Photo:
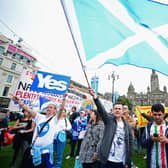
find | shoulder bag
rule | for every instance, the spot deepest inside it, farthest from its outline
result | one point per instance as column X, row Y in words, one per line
column 27, row 157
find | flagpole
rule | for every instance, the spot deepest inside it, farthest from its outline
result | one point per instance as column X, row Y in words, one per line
column 73, row 38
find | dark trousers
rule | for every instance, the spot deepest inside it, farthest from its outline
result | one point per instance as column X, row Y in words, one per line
column 27, row 161
column 92, row 165
column 1, row 139
column 113, row 165
column 16, row 147
column 73, row 144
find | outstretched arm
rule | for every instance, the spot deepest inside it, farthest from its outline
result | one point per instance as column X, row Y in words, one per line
column 62, row 106
column 147, row 117
column 25, row 107
column 100, row 108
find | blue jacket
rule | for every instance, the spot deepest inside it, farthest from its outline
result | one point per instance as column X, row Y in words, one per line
column 148, row 143
column 77, row 127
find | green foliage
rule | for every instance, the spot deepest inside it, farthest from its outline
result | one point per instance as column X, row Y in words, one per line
column 125, row 101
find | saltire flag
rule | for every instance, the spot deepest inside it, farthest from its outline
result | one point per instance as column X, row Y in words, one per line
column 121, row 32
column 44, row 102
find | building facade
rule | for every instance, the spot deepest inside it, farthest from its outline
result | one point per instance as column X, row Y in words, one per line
column 13, row 60
column 152, row 96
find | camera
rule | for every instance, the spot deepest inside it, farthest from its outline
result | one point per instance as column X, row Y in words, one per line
column 155, row 135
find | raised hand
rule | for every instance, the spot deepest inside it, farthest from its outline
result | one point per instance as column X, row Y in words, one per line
column 92, row 93
column 15, row 98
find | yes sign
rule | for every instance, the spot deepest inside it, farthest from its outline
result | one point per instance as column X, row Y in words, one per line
column 50, row 83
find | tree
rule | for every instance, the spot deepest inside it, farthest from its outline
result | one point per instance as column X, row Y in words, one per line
column 125, row 101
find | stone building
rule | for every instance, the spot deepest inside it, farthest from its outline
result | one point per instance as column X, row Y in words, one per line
column 13, row 59
column 152, row 96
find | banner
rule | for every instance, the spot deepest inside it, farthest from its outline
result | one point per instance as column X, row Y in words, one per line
column 31, row 98
column 95, row 83
column 147, row 110
column 88, row 104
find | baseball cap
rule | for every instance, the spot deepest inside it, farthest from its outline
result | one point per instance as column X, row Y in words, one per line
column 82, row 112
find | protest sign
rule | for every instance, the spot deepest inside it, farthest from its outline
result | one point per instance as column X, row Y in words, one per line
column 46, row 82
column 31, row 98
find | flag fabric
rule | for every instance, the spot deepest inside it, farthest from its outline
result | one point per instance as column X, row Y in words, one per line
column 44, row 102
column 121, row 31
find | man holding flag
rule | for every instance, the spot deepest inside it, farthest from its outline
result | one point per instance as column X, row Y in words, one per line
column 117, row 143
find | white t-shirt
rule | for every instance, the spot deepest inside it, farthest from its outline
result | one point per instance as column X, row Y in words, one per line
column 61, row 125
column 46, row 137
column 117, row 151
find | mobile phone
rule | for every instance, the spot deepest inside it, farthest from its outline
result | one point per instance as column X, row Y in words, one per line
column 155, row 135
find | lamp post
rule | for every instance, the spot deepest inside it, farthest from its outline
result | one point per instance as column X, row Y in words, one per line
column 113, row 77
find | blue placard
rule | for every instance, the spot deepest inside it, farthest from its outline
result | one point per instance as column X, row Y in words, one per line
column 50, row 83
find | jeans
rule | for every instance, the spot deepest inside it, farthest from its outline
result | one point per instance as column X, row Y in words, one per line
column 45, row 161
column 59, row 149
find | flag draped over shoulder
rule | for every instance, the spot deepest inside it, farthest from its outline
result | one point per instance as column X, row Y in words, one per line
column 121, row 31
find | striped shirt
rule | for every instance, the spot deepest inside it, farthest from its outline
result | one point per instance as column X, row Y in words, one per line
column 158, row 159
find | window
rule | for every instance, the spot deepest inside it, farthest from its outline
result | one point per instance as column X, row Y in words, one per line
column 17, row 56
column 9, row 79
column 6, row 91
column 2, row 50
column 25, row 60
column 1, row 60
column 13, row 66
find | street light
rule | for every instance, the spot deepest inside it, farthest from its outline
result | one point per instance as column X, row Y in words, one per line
column 113, row 77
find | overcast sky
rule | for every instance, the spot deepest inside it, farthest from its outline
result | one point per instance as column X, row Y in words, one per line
column 41, row 23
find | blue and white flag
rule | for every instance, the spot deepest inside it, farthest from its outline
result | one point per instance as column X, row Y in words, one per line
column 44, row 102
column 50, row 83
column 121, row 31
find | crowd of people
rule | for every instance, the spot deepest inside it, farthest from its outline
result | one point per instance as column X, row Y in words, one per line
column 98, row 138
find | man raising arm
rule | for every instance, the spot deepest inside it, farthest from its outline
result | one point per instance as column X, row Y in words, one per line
column 117, row 143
